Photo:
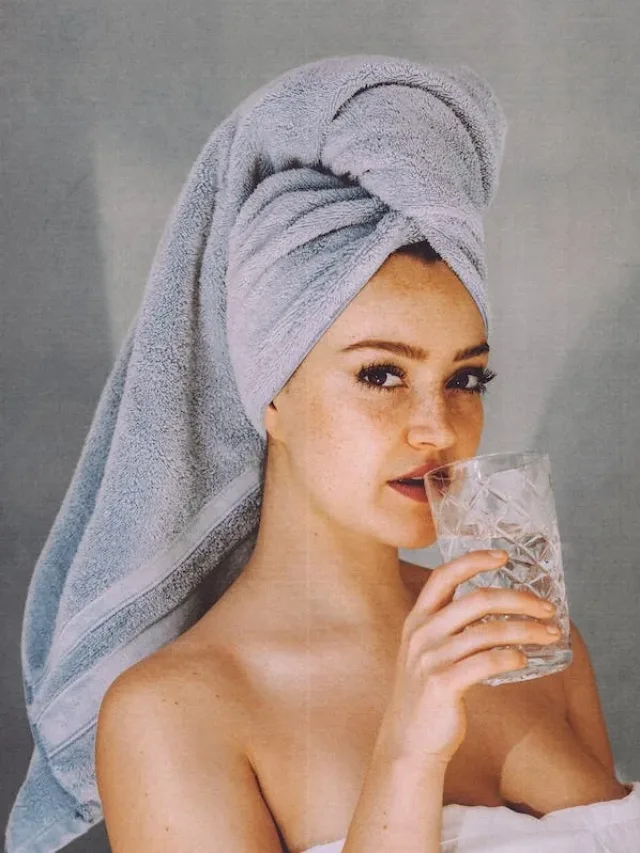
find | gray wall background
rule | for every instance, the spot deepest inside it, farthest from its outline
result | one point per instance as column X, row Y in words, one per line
column 104, row 108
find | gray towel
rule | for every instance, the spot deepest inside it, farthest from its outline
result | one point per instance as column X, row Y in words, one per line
column 295, row 201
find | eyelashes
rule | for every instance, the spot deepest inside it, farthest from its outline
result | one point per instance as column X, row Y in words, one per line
column 482, row 374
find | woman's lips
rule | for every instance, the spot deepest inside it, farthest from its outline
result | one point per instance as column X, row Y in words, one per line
column 416, row 493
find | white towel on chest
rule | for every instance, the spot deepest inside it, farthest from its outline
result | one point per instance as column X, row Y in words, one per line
column 609, row 827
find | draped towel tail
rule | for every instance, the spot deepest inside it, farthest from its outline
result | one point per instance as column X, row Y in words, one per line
column 294, row 202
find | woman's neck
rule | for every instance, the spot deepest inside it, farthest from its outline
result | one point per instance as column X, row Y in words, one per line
column 338, row 574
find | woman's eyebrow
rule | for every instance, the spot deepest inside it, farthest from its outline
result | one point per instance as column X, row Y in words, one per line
column 415, row 352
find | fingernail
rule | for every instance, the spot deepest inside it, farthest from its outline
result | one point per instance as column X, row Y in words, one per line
column 549, row 607
column 553, row 629
column 498, row 553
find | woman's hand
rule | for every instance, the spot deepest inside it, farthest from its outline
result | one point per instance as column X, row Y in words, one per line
column 442, row 653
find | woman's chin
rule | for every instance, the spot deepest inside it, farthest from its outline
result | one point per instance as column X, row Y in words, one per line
column 418, row 542
column 414, row 538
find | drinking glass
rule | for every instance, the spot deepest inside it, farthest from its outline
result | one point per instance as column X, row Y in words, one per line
column 505, row 500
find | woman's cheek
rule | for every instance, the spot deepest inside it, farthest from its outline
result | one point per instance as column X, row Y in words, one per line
column 468, row 425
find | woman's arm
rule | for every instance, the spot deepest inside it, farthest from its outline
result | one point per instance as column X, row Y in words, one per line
column 165, row 790
column 584, row 710
column 400, row 806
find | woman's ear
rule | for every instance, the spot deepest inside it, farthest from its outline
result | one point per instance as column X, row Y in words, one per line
column 273, row 413
column 270, row 420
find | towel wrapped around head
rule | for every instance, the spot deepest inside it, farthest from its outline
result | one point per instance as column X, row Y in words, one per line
column 295, row 201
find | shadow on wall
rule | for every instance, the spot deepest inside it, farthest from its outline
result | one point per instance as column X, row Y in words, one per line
column 592, row 417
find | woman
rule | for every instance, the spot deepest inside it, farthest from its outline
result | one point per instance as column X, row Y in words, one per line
column 347, row 705
column 332, row 693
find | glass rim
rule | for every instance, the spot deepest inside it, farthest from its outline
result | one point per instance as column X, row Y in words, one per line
column 531, row 456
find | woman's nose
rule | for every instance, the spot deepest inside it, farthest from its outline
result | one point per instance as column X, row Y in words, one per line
column 431, row 424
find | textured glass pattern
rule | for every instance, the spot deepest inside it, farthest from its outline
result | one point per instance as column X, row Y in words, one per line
column 476, row 508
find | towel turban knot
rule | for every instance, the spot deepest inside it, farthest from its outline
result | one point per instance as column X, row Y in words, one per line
column 336, row 172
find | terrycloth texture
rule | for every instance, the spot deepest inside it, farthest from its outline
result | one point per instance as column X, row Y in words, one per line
column 295, row 201
column 611, row 827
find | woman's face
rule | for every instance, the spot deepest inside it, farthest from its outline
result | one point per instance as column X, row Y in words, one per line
column 353, row 418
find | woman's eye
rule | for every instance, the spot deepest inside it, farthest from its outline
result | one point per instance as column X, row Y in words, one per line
column 376, row 376
column 481, row 376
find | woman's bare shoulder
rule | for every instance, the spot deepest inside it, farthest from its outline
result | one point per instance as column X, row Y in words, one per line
column 198, row 674
column 193, row 687
column 170, row 737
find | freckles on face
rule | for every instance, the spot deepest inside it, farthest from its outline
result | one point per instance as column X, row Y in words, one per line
column 345, row 438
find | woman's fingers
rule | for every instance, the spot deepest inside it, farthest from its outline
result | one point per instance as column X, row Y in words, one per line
column 486, row 635
column 444, row 579
column 474, row 606
column 456, row 680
